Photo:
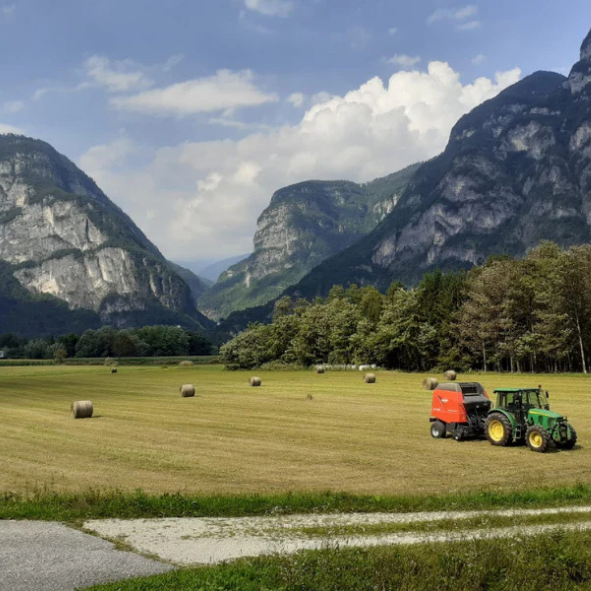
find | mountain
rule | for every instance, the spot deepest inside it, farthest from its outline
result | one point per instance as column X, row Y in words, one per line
column 304, row 224
column 70, row 259
column 212, row 272
column 198, row 285
column 516, row 170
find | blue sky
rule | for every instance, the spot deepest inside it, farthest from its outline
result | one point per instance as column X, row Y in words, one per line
column 191, row 113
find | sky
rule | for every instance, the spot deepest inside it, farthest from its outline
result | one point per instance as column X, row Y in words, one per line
column 189, row 114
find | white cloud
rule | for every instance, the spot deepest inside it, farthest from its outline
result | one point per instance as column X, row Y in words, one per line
column 450, row 14
column 404, row 61
column 479, row 59
column 296, row 99
column 224, row 90
column 392, row 31
column 203, row 198
column 116, row 76
column 4, row 128
column 270, row 7
column 172, row 61
column 459, row 16
column 469, row 26
column 12, row 107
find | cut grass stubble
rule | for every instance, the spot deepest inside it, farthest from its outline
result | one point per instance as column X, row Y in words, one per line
column 300, row 432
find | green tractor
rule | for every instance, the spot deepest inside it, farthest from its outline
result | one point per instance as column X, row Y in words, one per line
column 523, row 415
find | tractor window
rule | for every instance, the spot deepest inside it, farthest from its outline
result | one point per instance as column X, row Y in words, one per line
column 541, row 400
column 474, row 389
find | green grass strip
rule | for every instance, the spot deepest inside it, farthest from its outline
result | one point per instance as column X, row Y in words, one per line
column 104, row 504
column 557, row 562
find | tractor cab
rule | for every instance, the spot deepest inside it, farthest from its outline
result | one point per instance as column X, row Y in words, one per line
column 524, row 415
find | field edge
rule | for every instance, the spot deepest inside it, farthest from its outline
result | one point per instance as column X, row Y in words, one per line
column 98, row 504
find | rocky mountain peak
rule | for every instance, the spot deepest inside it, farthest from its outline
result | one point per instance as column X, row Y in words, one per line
column 586, row 48
column 70, row 259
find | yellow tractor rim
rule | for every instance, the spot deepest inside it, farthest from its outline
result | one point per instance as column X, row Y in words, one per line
column 535, row 439
column 496, row 430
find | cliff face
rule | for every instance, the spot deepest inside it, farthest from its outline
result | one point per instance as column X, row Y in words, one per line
column 517, row 170
column 62, row 240
column 303, row 225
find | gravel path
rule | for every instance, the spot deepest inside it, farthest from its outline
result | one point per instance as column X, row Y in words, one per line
column 38, row 556
column 193, row 541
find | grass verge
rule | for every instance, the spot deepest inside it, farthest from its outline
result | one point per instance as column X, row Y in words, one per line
column 104, row 504
column 560, row 561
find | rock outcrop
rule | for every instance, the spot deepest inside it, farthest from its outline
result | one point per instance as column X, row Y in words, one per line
column 516, row 171
column 304, row 224
column 62, row 240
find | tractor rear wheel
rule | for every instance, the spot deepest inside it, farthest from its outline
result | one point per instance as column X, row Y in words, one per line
column 537, row 439
column 438, row 429
column 569, row 443
column 498, row 429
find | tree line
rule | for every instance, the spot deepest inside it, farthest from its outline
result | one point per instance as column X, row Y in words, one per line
column 149, row 341
column 524, row 315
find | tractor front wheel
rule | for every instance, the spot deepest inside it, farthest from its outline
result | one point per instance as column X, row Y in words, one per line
column 537, row 439
column 438, row 429
column 569, row 443
column 498, row 429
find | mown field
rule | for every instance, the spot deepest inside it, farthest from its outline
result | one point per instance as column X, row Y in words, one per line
column 233, row 439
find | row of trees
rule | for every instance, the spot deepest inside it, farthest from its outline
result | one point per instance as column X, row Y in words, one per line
column 531, row 314
column 149, row 341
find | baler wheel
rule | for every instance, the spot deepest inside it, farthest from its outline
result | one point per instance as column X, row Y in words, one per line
column 537, row 439
column 498, row 429
column 438, row 430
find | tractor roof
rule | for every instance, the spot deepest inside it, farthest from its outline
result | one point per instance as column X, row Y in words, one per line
column 515, row 390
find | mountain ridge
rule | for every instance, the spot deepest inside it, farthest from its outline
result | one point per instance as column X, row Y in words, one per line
column 304, row 224
column 62, row 241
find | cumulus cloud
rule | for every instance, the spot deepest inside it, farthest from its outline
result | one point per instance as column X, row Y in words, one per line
column 219, row 188
column 270, row 7
column 404, row 61
column 225, row 90
column 296, row 99
column 116, row 76
column 459, row 16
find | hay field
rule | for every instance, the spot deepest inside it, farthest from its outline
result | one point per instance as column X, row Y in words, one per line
column 231, row 438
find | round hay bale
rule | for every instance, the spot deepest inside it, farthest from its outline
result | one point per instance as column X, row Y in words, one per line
column 319, row 369
column 113, row 370
column 187, row 390
column 82, row 409
column 255, row 382
column 369, row 378
column 430, row 383
column 450, row 375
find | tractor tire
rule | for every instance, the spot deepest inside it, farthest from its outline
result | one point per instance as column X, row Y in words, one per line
column 537, row 439
column 498, row 429
column 568, row 444
column 438, row 430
